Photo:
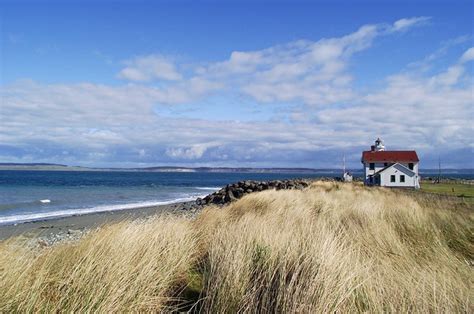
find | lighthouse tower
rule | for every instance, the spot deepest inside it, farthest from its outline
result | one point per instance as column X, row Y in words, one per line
column 379, row 146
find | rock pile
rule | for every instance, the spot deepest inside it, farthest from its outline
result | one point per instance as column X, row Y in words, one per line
column 232, row 192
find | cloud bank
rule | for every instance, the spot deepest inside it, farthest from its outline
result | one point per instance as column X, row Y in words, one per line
column 325, row 113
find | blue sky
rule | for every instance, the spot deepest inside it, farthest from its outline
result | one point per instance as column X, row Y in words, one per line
column 265, row 84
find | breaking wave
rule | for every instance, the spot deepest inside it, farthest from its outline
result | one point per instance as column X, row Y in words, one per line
column 28, row 217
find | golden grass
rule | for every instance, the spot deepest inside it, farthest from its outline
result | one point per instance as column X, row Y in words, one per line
column 125, row 266
column 337, row 248
column 332, row 247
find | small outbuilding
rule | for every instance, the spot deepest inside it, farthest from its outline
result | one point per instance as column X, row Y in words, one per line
column 390, row 168
column 347, row 176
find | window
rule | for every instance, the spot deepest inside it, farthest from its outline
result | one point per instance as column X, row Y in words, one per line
column 385, row 164
column 402, row 178
column 410, row 166
column 371, row 166
column 392, row 178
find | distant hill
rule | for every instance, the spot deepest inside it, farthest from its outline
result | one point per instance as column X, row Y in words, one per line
column 239, row 169
column 61, row 167
column 30, row 164
column 38, row 166
column 330, row 171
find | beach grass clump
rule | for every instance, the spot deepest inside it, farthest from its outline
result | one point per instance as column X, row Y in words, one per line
column 127, row 266
column 330, row 248
column 337, row 247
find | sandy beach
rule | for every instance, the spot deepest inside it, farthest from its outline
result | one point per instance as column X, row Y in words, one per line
column 79, row 223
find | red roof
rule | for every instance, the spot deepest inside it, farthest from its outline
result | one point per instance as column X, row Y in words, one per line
column 390, row 156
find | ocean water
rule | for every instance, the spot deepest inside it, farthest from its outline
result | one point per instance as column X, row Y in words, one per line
column 38, row 195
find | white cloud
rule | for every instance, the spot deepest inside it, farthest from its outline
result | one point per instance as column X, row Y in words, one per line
column 193, row 152
column 315, row 73
column 133, row 74
column 450, row 77
column 152, row 67
column 468, row 55
column 312, row 72
column 427, row 62
column 406, row 23
column 422, row 112
column 455, row 72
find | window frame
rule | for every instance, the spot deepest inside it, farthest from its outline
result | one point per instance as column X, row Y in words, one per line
column 411, row 165
column 393, row 178
column 371, row 165
column 402, row 178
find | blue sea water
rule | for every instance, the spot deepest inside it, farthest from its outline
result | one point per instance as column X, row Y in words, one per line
column 37, row 195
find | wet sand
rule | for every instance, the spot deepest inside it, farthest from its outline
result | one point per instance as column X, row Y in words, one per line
column 80, row 223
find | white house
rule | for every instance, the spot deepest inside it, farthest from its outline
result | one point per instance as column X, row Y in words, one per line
column 391, row 168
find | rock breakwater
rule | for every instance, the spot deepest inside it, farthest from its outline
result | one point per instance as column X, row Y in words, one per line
column 232, row 192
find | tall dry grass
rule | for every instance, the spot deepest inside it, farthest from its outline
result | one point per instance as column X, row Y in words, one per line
column 337, row 247
column 126, row 266
column 332, row 247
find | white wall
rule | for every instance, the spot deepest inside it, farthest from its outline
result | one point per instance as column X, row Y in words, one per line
column 410, row 181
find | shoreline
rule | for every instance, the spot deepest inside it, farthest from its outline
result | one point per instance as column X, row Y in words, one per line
column 56, row 229
column 80, row 223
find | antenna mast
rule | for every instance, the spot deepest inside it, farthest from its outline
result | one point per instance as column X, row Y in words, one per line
column 439, row 169
column 343, row 164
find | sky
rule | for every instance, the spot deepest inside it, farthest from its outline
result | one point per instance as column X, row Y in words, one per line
column 235, row 83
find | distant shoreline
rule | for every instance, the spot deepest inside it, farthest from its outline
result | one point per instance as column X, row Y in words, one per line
column 59, row 167
column 176, row 169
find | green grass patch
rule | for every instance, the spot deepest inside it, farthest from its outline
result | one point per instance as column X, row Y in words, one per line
column 465, row 191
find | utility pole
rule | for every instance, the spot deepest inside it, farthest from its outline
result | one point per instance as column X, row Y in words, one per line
column 343, row 165
column 439, row 169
